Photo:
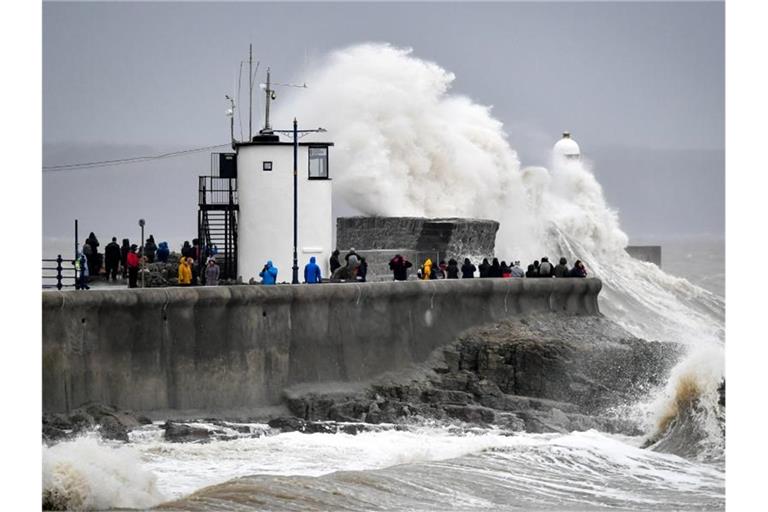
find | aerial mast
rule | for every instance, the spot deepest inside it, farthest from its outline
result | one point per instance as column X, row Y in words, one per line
column 270, row 96
column 250, row 91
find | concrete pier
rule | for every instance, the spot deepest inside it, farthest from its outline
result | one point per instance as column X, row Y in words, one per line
column 239, row 346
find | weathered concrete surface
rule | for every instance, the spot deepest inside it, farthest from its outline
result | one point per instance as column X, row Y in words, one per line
column 240, row 346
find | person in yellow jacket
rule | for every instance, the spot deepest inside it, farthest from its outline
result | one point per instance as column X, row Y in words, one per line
column 427, row 273
column 185, row 271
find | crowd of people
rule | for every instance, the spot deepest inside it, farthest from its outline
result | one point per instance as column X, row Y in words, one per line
column 197, row 265
column 127, row 259
column 355, row 268
column 451, row 270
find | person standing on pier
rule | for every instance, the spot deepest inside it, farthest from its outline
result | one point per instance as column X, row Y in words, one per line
column 163, row 252
column 150, row 248
column 426, row 270
column 399, row 267
column 452, row 270
column 93, row 258
column 312, row 272
column 212, row 273
column 81, row 273
column 185, row 271
column 124, row 250
column 362, row 270
column 495, row 270
column 268, row 274
column 561, row 270
column 132, row 262
column 468, row 269
column 112, row 259
column 334, row 262
column 485, row 268
column 545, row 268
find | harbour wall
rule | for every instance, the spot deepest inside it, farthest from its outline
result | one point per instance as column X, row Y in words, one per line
column 228, row 347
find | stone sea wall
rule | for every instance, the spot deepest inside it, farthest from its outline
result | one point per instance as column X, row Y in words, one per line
column 240, row 346
column 451, row 236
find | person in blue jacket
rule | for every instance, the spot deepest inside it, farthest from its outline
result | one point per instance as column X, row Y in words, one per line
column 162, row 252
column 312, row 272
column 268, row 274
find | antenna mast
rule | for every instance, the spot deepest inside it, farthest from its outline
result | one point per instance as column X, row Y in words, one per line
column 250, row 91
column 270, row 96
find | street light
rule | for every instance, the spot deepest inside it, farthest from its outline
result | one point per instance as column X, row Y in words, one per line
column 295, row 132
column 141, row 250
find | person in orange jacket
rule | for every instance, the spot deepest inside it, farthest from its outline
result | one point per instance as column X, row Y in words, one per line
column 426, row 273
column 185, row 271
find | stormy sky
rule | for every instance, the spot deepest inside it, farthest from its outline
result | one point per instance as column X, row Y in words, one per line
column 640, row 85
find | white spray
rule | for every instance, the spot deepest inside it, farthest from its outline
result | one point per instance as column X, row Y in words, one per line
column 88, row 474
column 405, row 145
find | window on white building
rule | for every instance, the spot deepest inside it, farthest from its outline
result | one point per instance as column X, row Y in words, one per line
column 267, row 166
column 318, row 162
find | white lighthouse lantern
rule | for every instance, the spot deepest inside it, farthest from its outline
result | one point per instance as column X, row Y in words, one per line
column 567, row 148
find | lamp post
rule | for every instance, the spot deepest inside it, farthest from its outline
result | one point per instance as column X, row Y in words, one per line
column 141, row 250
column 295, row 132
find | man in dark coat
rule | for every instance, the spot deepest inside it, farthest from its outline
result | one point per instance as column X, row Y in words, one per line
column 93, row 258
column 453, row 269
column 150, row 248
column 485, row 268
column 468, row 269
column 334, row 263
column 561, row 270
column 495, row 270
column 399, row 267
column 124, row 250
column 112, row 259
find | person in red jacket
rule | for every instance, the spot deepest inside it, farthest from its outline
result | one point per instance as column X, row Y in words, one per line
column 132, row 261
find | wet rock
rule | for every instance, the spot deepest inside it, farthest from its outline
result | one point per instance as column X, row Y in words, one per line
column 349, row 411
column 471, row 414
column 288, row 424
column 57, row 421
column 53, row 434
column 183, row 433
column 510, row 421
column 111, row 428
column 452, row 359
column 446, row 396
column 143, row 420
column 542, row 374
column 81, row 420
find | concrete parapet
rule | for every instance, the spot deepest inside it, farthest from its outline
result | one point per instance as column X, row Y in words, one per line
column 239, row 346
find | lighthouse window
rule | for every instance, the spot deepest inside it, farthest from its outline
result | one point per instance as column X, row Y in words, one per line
column 318, row 162
column 267, row 166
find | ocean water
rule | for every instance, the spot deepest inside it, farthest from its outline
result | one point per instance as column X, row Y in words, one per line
column 426, row 468
column 397, row 128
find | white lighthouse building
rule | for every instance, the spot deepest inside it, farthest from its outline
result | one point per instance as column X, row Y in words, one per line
column 265, row 168
column 567, row 148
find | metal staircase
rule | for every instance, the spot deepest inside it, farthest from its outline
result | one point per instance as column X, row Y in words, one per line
column 217, row 219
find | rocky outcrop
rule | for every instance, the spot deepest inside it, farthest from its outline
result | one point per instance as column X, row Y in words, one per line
column 107, row 420
column 544, row 373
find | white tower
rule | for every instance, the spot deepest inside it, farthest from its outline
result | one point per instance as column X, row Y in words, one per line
column 265, row 190
column 567, row 148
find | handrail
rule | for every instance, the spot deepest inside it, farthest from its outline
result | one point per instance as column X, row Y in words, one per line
column 60, row 272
